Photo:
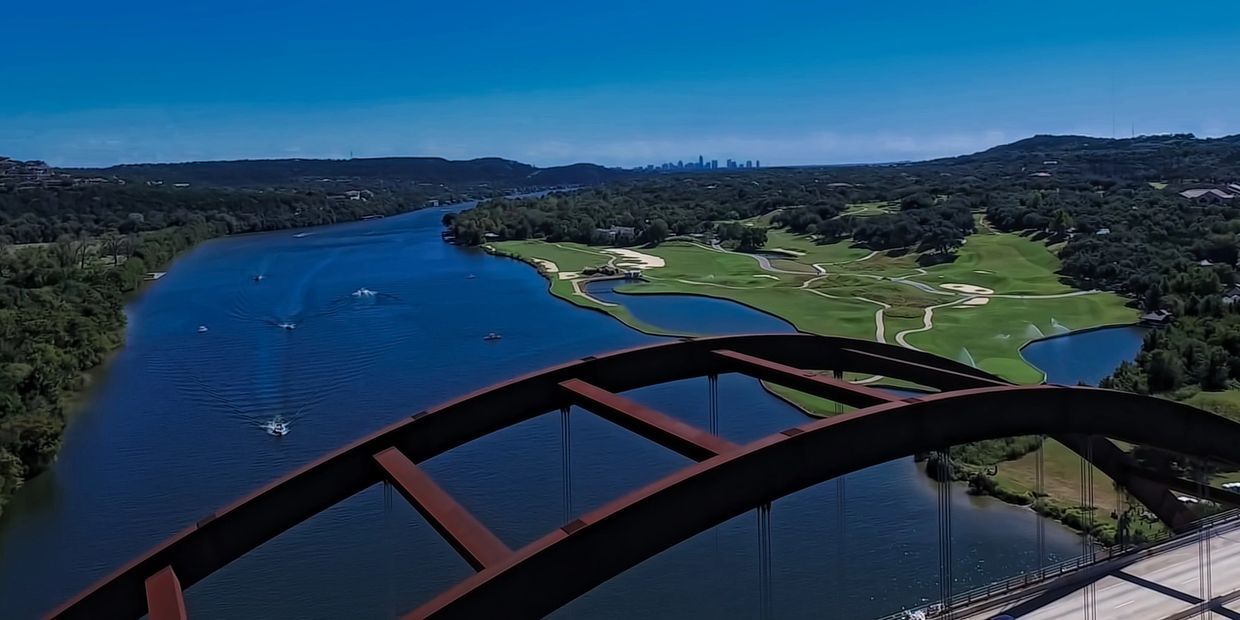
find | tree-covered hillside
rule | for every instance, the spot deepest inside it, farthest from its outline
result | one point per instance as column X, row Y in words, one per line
column 386, row 171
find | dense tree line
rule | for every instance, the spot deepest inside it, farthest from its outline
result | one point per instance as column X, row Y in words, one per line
column 1164, row 251
column 43, row 216
column 475, row 176
column 653, row 208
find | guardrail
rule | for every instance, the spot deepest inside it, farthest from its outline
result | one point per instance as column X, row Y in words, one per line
column 1054, row 571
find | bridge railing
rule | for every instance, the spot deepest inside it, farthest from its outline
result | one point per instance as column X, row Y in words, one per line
column 1032, row 578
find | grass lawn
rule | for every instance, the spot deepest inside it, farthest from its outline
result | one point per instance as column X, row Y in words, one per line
column 566, row 256
column 845, row 302
column 1226, row 403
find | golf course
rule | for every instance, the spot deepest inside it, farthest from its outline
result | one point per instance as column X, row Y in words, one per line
column 1000, row 292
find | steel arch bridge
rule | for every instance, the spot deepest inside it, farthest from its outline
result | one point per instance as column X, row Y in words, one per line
column 727, row 479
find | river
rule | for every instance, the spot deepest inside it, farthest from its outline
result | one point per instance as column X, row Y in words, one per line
column 172, row 432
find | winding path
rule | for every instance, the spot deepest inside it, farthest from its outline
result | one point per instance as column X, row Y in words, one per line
column 927, row 322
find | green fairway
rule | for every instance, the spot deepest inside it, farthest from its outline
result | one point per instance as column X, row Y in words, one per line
column 999, row 293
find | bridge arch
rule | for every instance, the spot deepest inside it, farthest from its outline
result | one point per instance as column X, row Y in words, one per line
column 570, row 561
column 969, row 395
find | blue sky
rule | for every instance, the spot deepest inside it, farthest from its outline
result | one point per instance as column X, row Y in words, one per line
column 618, row 83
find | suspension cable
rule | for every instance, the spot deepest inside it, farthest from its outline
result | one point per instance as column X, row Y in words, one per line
column 1039, row 495
column 566, row 463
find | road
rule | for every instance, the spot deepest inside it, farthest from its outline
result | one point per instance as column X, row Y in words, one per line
column 1165, row 586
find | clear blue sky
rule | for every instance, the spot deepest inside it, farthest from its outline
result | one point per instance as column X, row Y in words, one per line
column 619, row 83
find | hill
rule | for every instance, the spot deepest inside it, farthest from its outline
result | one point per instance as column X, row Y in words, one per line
column 1173, row 158
column 492, row 171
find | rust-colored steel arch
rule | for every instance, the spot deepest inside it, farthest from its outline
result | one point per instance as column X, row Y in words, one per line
column 986, row 408
column 570, row 561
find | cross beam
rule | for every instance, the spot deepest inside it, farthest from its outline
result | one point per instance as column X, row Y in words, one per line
column 806, row 381
column 164, row 598
column 477, row 544
column 660, row 428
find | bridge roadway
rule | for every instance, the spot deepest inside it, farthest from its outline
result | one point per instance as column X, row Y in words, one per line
column 1165, row 585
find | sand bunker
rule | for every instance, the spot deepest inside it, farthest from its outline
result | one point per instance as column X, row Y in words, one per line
column 546, row 265
column 633, row 258
column 968, row 288
column 568, row 275
column 976, row 301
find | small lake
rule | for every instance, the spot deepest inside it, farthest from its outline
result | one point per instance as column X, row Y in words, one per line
column 1085, row 357
column 690, row 314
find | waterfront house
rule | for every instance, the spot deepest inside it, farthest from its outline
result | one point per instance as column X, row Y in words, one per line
column 1157, row 318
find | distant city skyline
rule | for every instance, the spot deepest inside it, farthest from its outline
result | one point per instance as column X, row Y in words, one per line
column 702, row 164
column 784, row 82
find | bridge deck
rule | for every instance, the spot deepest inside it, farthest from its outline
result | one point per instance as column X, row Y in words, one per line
column 1166, row 585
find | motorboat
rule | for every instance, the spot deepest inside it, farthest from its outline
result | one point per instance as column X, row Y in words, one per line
column 288, row 326
column 364, row 292
column 470, row 277
column 492, row 336
column 202, row 329
column 276, row 427
column 258, row 277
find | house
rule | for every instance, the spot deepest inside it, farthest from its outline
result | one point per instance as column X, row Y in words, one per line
column 1234, row 188
column 1051, row 162
column 1157, row 318
column 1041, row 174
column 615, row 234
column 1231, row 296
column 1207, row 195
column 633, row 274
column 1205, row 262
column 1102, row 231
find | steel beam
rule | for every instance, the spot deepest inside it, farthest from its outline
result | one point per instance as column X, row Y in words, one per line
column 1118, row 466
column 923, row 374
column 806, row 381
column 477, row 544
column 164, row 599
column 225, row 535
column 660, row 428
column 554, row 570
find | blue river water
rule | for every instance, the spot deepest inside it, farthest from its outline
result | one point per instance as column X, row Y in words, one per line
column 172, row 432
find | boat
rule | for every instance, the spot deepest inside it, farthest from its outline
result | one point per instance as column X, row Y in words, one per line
column 288, row 326
column 202, row 329
column 470, row 277
column 276, row 427
column 363, row 292
column 258, row 277
column 492, row 336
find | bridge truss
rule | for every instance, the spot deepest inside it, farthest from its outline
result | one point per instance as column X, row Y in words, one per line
column 727, row 479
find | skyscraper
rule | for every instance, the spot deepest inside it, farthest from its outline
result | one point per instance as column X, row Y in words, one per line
column 701, row 162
